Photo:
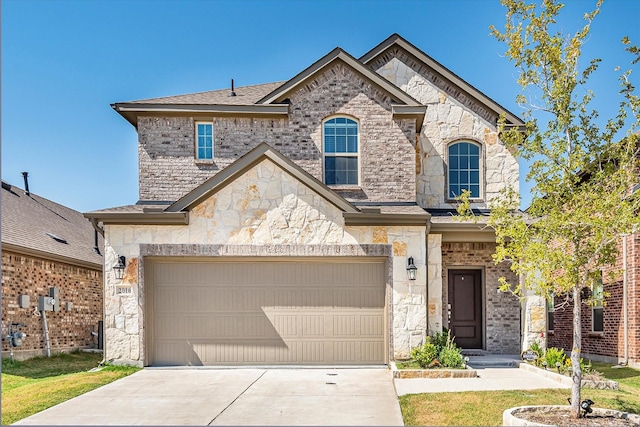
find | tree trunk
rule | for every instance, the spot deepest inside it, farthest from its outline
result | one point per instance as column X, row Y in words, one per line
column 575, row 352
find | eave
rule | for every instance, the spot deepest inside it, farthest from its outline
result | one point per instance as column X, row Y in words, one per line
column 8, row 247
column 376, row 218
column 131, row 111
column 140, row 218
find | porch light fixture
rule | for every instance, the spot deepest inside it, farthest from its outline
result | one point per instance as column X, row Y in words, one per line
column 411, row 269
column 119, row 267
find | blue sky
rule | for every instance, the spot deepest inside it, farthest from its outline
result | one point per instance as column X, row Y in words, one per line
column 65, row 62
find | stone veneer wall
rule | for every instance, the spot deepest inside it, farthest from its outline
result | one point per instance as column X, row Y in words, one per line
column 449, row 120
column 68, row 330
column 264, row 212
column 501, row 310
column 166, row 154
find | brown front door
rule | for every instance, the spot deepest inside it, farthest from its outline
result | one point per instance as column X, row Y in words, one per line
column 465, row 299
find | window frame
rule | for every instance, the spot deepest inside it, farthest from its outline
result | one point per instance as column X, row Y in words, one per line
column 197, row 124
column 356, row 154
column 551, row 308
column 597, row 294
column 481, row 187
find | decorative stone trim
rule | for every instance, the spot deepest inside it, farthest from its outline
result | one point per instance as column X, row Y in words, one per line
column 368, row 250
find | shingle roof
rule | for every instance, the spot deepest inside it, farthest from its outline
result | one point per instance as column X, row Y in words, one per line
column 39, row 225
column 245, row 95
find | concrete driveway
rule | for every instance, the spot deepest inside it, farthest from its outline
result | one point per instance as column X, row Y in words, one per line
column 202, row 396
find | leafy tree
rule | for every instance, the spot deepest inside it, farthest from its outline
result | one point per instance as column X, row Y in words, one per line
column 582, row 171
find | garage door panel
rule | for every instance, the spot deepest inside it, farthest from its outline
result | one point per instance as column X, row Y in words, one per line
column 267, row 313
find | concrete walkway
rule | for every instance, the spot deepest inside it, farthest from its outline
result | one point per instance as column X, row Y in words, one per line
column 234, row 397
column 494, row 373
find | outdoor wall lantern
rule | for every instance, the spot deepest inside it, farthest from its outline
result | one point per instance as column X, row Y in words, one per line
column 411, row 269
column 119, row 267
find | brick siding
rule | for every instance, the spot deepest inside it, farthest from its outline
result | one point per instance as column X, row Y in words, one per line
column 168, row 168
column 26, row 275
column 501, row 310
column 609, row 343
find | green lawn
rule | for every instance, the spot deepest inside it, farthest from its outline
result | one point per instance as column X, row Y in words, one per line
column 484, row 408
column 33, row 385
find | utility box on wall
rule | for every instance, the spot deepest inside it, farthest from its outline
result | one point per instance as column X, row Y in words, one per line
column 55, row 294
column 46, row 303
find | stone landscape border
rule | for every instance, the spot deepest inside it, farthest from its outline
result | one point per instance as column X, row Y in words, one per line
column 432, row 373
column 567, row 381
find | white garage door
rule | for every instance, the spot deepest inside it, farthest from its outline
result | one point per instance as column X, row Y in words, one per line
column 297, row 312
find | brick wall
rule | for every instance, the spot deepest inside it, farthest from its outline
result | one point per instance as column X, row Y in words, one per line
column 26, row 275
column 501, row 310
column 168, row 168
column 609, row 343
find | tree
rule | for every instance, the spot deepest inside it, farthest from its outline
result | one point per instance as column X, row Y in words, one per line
column 582, row 172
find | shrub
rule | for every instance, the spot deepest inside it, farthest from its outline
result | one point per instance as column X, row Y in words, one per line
column 438, row 349
column 554, row 355
column 450, row 357
column 425, row 354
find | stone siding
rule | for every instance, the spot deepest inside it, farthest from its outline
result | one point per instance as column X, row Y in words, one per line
column 168, row 168
column 501, row 310
column 267, row 213
column 68, row 330
column 450, row 117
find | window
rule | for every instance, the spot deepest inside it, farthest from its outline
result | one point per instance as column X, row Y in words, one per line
column 204, row 140
column 550, row 310
column 464, row 169
column 340, row 151
column 598, row 310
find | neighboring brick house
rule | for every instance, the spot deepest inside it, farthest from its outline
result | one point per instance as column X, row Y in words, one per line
column 46, row 245
column 610, row 331
column 281, row 223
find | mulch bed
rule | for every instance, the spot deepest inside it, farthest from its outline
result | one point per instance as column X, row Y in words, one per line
column 562, row 417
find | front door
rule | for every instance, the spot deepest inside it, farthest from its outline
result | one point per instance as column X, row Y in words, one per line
column 465, row 299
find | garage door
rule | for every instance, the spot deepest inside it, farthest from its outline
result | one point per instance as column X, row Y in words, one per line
column 298, row 312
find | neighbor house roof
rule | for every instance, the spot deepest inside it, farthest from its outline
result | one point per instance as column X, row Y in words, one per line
column 39, row 227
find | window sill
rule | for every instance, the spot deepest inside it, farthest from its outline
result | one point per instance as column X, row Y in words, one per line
column 204, row 161
column 470, row 201
column 345, row 187
column 596, row 334
column 550, row 333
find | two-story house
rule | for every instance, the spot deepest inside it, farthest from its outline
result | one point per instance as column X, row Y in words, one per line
column 310, row 221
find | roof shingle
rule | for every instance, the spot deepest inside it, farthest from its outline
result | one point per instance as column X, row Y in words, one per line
column 35, row 223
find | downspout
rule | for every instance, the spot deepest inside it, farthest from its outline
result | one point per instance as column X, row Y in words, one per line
column 98, row 229
column 426, row 263
column 625, row 301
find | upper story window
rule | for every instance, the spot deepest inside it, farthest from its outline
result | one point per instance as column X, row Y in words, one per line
column 598, row 302
column 340, row 151
column 204, row 140
column 464, row 169
column 550, row 309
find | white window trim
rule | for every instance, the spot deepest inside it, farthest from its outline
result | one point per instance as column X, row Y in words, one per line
column 481, row 168
column 195, row 130
column 597, row 305
column 357, row 154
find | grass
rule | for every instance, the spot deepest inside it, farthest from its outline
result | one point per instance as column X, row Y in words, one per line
column 36, row 384
column 484, row 408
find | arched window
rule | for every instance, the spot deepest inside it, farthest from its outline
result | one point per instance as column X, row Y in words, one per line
column 340, row 139
column 464, row 169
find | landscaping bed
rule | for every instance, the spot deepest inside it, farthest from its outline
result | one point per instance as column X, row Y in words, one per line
column 402, row 373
